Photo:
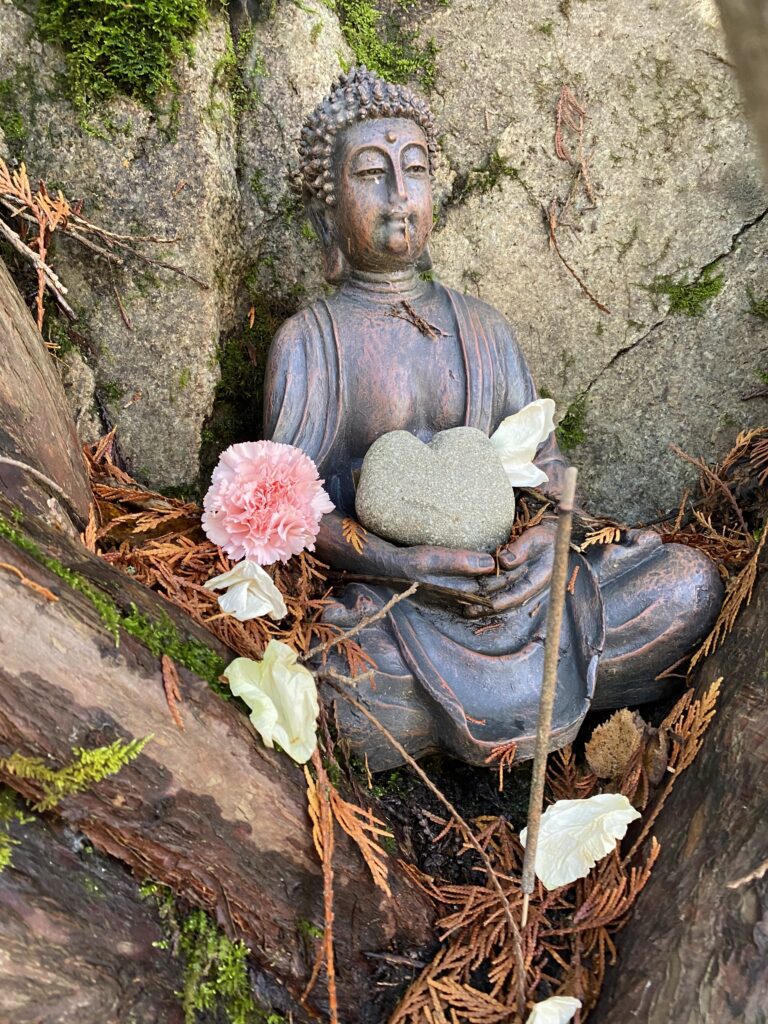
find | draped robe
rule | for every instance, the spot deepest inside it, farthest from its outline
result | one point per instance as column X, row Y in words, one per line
column 444, row 681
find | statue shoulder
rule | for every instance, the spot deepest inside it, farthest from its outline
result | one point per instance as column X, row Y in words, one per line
column 483, row 312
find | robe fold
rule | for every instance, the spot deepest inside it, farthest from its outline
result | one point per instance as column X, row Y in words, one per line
column 442, row 681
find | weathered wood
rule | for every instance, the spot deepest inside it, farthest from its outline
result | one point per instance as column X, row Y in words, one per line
column 35, row 425
column 696, row 948
column 208, row 811
column 77, row 940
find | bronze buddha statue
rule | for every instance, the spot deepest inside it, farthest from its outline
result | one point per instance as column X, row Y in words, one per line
column 345, row 370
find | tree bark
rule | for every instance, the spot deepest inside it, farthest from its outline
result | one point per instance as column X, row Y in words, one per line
column 76, row 939
column 35, row 425
column 208, row 811
column 696, row 948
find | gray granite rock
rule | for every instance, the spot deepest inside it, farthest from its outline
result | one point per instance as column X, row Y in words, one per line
column 80, row 388
column 169, row 173
column 675, row 180
column 452, row 492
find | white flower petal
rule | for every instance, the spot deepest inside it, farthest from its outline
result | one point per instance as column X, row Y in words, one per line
column 555, row 1010
column 282, row 696
column 250, row 592
column 519, row 435
column 526, row 475
column 576, row 834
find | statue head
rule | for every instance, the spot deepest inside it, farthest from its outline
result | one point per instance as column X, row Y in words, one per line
column 368, row 152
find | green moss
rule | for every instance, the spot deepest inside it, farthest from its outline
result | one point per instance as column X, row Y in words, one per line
column 546, row 28
column 237, row 408
column 570, row 431
column 757, row 306
column 689, row 298
column 160, row 636
column 239, row 72
column 184, row 378
column 86, row 768
column 11, row 120
column 115, row 46
column 10, row 813
column 215, row 968
column 308, row 930
column 111, row 391
column 307, row 231
column 491, row 174
column 315, row 31
column 386, row 47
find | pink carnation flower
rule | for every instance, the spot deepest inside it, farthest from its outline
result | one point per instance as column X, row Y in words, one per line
column 265, row 502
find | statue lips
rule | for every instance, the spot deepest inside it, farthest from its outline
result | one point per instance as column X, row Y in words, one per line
column 400, row 229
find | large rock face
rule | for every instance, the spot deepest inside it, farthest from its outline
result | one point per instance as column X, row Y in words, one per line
column 659, row 214
column 675, row 186
column 172, row 176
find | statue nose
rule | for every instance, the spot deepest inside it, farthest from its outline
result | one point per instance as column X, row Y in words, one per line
column 397, row 190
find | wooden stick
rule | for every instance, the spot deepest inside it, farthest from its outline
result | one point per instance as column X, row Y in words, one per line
column 334, row 679
column 549, row 683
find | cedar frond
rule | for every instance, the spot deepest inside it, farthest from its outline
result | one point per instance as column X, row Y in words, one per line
column 738, row 594
column 354, row 533
column 363, row 828
column 605, row 535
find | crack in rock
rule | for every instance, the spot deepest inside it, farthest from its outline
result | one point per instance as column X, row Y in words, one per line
column 733, row 245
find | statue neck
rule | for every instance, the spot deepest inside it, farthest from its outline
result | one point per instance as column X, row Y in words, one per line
column 388, row 288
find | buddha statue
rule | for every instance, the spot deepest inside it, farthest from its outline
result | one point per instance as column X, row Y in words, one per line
column 448, row 676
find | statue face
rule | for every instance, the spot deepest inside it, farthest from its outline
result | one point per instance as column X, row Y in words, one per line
column 383, row 212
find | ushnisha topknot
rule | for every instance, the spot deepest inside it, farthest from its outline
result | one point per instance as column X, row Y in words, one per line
column 358, row 95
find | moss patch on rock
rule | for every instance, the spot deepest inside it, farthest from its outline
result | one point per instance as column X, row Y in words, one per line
column 385, row 44
column 689, row 298
column 113, row 46
column 237, row 407
column 570, row 431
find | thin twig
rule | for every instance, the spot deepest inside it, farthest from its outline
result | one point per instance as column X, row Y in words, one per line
column 338, row 683
column 552, row 221
column 363, row 624
column 51, row 279
column 557, row 590
column 711, row 475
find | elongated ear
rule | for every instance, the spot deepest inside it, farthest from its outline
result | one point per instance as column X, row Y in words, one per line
column 424, row 262
column 335, row 266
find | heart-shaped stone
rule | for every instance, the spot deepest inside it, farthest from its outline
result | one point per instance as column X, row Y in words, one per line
column 452, row 492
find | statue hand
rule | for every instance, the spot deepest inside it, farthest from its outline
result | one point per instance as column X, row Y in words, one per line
column 447, row 567
column 526, row 568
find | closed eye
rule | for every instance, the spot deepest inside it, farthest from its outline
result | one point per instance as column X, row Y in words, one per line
column 370, row 172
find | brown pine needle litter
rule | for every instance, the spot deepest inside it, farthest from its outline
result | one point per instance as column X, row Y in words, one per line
column 488, row 969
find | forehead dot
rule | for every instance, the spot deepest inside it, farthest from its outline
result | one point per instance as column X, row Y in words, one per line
column 391, row 137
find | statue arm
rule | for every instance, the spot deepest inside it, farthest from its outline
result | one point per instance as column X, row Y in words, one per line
column 520, row 390
column 298, row 388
